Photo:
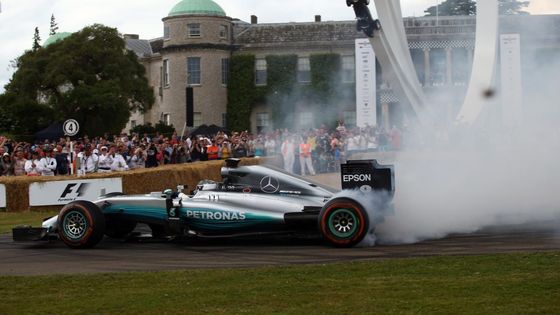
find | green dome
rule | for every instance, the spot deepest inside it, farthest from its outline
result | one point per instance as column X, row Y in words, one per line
column 197, row 7
column 55, row 38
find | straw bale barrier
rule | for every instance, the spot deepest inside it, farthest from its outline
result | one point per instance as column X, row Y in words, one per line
column 138, row 181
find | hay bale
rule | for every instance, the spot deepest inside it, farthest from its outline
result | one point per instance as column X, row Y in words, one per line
column 139, row 181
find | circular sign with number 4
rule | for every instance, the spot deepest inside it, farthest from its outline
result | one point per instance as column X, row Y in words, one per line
column 71, row 127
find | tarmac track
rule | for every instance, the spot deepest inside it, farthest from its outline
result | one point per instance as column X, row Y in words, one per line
column 147, row 255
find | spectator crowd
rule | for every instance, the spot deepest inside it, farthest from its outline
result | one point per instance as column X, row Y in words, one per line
column 305, row 152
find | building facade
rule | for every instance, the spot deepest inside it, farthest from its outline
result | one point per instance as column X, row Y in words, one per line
column 199, row 40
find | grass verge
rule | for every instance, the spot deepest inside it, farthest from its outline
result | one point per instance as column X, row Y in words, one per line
column 488, row 284
column 10, row 219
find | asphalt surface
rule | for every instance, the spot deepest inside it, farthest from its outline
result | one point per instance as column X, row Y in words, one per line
column 141, row 254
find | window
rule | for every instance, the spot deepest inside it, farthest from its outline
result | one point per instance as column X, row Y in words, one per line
column 438, row 66
column 306, row 120
column 223, row 31
column 166, row 32
column 166, row 81
column 132, row 123
column 260, row 72
column 197, row 119
column 193, row 70
column 418, row 61
column 262, row 121
column 349, row 118
column 460, row 66
column 348, row 69
column 193, row 30
column 304, row 70
column 225, row 71
column 167, row 119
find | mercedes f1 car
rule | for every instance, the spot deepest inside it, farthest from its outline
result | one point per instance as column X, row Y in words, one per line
column 366, row 23
column 250, row 200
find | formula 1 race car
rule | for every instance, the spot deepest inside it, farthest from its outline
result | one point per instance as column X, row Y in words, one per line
column 366, row 23
column 251, row 200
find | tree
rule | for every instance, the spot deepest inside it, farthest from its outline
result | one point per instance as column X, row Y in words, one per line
column 452, row 7
column 54, row 26
column 36, row 39
column 88, row 76
column 468, row 7
column 511, row 7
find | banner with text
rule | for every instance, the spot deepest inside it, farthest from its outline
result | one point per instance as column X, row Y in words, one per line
column 512, row 98
column 366, row 101
column 2, row 196
column 63, row 192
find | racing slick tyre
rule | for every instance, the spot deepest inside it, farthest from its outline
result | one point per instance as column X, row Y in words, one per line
column 343, row 222
column 119, row 228
column 81, row 224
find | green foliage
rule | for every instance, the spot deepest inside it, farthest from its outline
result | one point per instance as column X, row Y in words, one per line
column 283, row 91
column 54, row 26
column 453, row 7
column 511, row 7
column 36, row 40
column 281, row 80
column 242, row 92
column 160, row 127
column 468, row 7
column 324, row 75
column 89, row 76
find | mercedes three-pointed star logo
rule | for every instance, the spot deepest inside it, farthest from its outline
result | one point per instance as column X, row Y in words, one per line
column 269, row 184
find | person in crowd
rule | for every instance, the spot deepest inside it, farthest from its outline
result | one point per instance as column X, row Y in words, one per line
column 33, row 165
column 62, row 160
column 138, row 159
column 151, row 156
column 212, row 150
column 225, row 149
column 7, row 165
column 118, row 162
column 182, row 155
column 305, row 157
column 105, row 161
column 288, row 153
column 48, row 163
column 239, row 147
column 19, row 162
column 87, row 161
column 259, row 147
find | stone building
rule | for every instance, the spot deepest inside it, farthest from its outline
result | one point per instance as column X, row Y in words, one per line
column 199, row 39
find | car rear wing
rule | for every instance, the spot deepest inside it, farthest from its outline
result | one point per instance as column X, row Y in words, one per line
column 367, row 175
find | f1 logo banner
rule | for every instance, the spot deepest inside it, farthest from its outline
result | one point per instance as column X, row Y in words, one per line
column 2, row 196
column 63, row 192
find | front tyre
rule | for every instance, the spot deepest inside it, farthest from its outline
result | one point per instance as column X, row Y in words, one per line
column 343, row 222
column 81, row 224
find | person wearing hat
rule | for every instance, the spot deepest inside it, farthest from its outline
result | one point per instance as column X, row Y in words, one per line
column 105, row 161
column 33, row 165
column 48, row 163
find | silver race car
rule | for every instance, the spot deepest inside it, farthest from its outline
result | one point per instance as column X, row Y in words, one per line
column 250, row 200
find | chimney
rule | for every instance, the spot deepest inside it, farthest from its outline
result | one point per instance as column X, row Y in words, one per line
column 131, row 36
column 254, row 19
column 317, row 18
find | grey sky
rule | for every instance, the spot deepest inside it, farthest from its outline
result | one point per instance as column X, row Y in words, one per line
column 19, row 18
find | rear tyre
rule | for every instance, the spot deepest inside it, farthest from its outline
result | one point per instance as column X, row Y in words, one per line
column 119, row 228
column 81, row 224
column 343, row 222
